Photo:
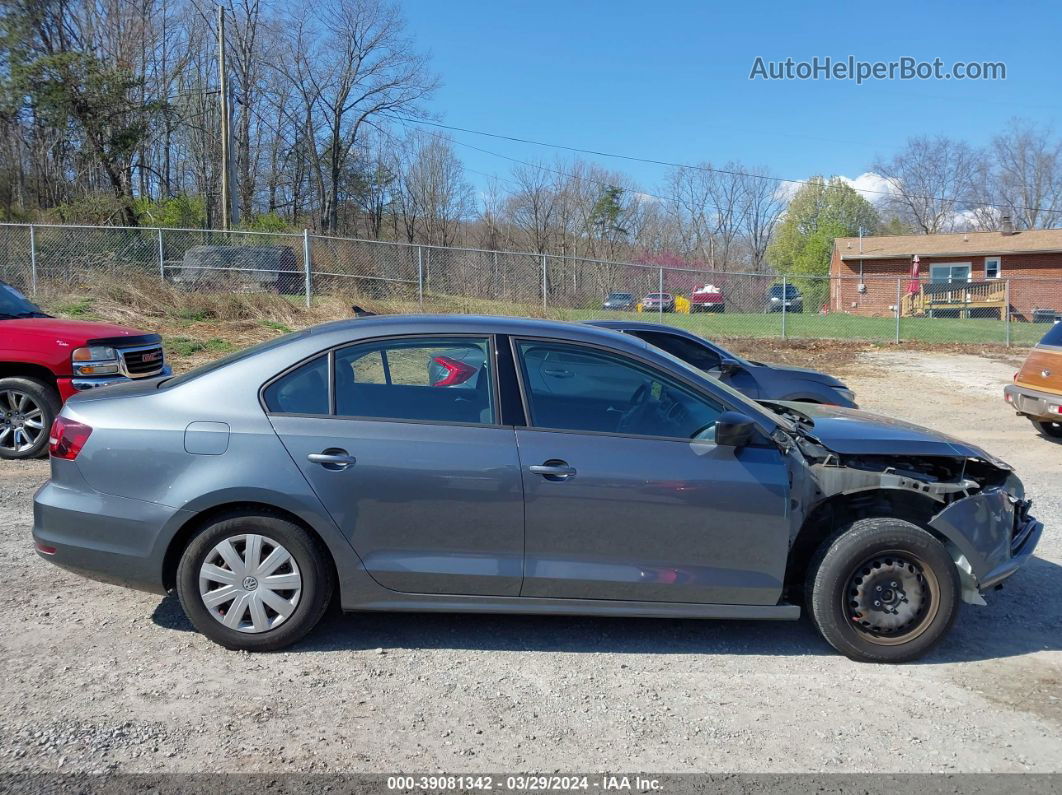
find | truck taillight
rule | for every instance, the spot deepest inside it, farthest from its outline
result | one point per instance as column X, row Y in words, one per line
column 67, row 437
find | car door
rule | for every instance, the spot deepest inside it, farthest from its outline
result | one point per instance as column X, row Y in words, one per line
column 412, row 466
column 621, row 503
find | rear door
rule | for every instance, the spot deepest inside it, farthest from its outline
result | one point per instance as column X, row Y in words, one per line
column 409, row 459
column 621, row 503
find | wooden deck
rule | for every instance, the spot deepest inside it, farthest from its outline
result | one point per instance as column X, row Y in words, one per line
column 950, row 299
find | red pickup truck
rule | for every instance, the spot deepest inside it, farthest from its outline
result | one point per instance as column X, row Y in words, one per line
column 44, row 360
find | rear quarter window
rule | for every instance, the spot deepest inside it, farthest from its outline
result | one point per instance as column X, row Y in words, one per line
column 302, row 391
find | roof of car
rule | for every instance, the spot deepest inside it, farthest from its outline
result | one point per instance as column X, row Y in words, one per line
column 639, row 325
column 487, row 324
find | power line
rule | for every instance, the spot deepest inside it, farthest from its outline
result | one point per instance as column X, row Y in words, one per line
column 710, row 169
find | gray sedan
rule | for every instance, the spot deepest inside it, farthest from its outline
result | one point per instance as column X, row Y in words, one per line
column 582, row 471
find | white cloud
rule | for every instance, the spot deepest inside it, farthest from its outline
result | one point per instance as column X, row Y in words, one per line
column 872, row 187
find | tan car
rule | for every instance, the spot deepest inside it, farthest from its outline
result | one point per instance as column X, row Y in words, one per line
column 1037, row 389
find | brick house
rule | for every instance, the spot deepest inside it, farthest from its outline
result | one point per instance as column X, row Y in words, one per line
column 865, row 273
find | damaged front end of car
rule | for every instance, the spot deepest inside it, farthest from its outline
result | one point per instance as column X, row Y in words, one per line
column 973, row 502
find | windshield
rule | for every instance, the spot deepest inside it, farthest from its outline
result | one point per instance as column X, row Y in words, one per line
column 14, row 304
column 790, row 290
column 620, row 296
column 659, row 295
column 217, row 364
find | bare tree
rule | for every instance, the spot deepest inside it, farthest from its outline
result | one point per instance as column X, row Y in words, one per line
column 1027, row 174
column 353, row 64
column 532, row 206
column 933, row 180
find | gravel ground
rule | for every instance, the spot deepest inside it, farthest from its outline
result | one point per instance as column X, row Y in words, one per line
column 98, row 678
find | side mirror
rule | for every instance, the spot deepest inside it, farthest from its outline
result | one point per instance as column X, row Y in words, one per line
column 729, row 366
column 734, row 429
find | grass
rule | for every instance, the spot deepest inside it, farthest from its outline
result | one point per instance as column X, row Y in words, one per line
column 839, row 327
column 81, row 309
column 278, row 327
column 189, row 346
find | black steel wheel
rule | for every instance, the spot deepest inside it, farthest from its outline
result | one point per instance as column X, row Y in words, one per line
column 882, row 590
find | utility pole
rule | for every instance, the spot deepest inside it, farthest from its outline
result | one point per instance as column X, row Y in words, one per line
column 227, row 214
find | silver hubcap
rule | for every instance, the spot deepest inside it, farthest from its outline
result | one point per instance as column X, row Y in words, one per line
column 250, row 583
column 21, row 421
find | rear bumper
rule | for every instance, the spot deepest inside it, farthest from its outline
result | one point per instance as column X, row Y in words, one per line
column 1032, row 403
column 104, row 537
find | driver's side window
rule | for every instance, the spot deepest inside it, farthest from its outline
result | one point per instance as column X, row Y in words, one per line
column 576, row 388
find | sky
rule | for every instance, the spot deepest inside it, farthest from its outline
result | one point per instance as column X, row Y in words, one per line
column 669, row 80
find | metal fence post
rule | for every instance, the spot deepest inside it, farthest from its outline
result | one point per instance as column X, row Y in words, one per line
column 544, row 282
column 660, row 288
column 899, row 298
column 1006, row 313
column 33, row 261
column 420, row 275
column 785, row 295
column 162, row 259
column 306, row 264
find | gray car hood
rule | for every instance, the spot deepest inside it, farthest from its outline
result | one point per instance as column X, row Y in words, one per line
column 857, row 432
column 803, row 372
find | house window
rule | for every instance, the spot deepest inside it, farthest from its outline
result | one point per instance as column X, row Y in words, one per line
column 992, row 267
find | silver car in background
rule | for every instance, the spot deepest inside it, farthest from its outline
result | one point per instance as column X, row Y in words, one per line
column 507, row 465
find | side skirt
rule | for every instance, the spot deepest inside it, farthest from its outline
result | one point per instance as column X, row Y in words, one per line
column 446, row 603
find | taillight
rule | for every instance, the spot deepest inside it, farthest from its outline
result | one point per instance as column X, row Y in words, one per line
column 456, row 372
column 67, row 437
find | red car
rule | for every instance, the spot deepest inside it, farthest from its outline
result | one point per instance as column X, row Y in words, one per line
column 707, row 298
column 44, row 360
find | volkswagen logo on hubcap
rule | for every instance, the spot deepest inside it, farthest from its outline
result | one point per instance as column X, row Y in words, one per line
column 249, row 583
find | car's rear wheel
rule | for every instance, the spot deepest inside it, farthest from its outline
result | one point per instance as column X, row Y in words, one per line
column 1049, row 428
column 254, row 582
column 27, row 409
column 883, row 590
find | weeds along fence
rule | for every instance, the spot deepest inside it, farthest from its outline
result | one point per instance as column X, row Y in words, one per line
column 50, row 260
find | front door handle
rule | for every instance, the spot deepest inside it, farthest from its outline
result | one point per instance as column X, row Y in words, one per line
column 554, row 469
column 333, row 458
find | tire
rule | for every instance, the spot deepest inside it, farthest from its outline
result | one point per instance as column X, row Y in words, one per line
column 308, row 562
column 27, row 406
column 1048, row 428
column 867, row 560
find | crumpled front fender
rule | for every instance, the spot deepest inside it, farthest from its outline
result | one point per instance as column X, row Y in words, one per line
column 992, row 530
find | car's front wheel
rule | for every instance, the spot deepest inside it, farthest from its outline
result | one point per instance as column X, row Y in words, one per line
column 254, row 582
column 1049, row 428
column 883, row 590
column 27, row 409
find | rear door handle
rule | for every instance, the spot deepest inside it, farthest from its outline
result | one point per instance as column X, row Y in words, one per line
column 332, row 458
column 553, row 470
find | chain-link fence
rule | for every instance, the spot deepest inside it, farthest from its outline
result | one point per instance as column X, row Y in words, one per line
column 44, row 260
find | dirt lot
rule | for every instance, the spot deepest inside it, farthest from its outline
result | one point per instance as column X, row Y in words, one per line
column 99, row 678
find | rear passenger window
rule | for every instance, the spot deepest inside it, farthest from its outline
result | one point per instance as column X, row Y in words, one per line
column 302, row 391
column 442, row 379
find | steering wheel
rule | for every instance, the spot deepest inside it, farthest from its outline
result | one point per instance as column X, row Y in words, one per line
column 638, row 404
